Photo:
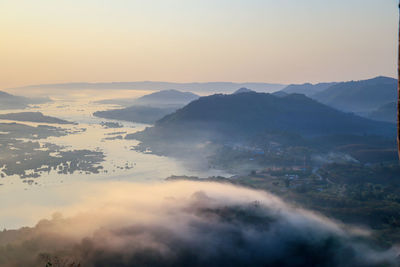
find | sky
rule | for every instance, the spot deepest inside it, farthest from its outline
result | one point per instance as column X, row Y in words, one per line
column 277, row 41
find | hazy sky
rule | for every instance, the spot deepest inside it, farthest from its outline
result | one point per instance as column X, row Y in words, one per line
column 283, row 41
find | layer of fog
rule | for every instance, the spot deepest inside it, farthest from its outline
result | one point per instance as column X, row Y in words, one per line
column 188, row 224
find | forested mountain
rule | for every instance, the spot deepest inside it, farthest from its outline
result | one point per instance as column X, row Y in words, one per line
column 359, row 96
column 241, row 115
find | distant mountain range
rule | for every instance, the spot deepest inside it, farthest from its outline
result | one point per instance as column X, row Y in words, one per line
column 223, row 87
column 165, row 98
column 245, row 115
column 361, row 97
column 307, row 89
column 8, row 101
column 148, row 108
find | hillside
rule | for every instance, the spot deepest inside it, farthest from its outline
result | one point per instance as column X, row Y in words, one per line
column 307, row 89
column 242, row 90
column 8, row 101
column 165, row 98
column 141, row 114
column 387, row 112
column 148, row 108
column 359, row 96
column 245, row 115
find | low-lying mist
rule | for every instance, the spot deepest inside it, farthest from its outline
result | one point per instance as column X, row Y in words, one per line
column 188, row 224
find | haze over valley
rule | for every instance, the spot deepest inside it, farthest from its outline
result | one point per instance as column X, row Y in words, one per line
column 283, row 142
column 199, row 133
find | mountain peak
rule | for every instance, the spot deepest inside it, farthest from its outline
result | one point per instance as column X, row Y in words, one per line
column 248, row 114
column 170, row 96
column 243, row 90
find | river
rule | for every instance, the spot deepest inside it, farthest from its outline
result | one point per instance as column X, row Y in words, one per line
column 23, row 204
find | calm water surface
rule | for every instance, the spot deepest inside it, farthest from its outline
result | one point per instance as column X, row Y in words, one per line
column 23, row 204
